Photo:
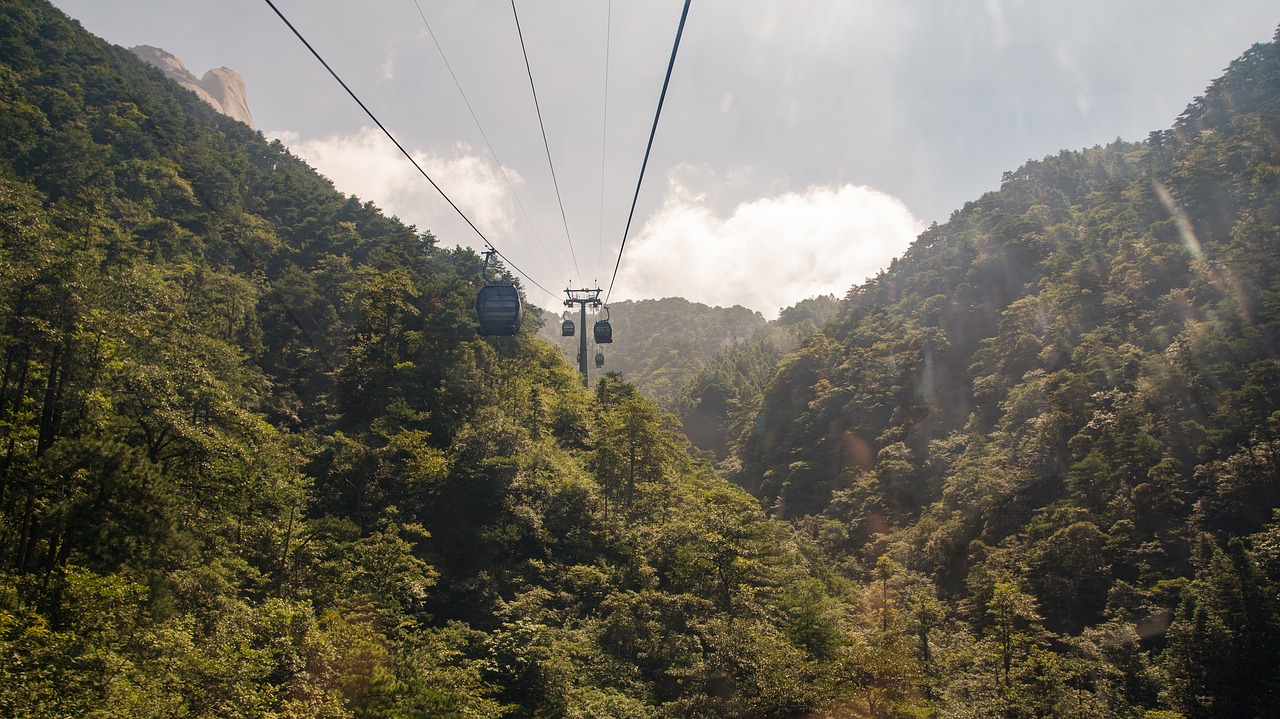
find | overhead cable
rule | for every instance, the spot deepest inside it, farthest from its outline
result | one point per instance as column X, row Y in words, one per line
column 483, row 134
column 545, row 144
column 400, row 147
column 661, row 98
column 604, row 124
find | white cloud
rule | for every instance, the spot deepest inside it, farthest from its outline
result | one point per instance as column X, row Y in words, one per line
column 389, row 64
column 766, row 254
column 769, row 253
column 368, row 165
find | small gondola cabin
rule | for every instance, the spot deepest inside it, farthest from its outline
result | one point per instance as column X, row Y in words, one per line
column 603, row 332
column 599, row 358
column 566, row 328
column 498, row 309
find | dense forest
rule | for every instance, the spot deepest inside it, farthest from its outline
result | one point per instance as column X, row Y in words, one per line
column 659, row 344
column 1057, row 415
column 700, row 363
column 257, row 462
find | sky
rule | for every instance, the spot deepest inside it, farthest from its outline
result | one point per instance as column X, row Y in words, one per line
column 802, row 146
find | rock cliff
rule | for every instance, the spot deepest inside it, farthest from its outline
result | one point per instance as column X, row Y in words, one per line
column 221, row 87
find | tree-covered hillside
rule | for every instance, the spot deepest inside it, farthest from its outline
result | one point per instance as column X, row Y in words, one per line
column 718, row 402
column 658, row 344
column 256, row 462
column 708, row 365
column 1061, row 409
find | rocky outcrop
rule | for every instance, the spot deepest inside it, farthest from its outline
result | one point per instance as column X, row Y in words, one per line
column 221, row 87
column 227, row 87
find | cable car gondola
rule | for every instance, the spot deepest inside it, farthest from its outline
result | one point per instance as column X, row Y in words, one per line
column 498, row 305
column 566, row 328
column 498, row 308
column 599, row 358
column 604, row 330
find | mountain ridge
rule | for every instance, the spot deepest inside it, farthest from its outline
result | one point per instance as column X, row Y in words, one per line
column 221, row 87
column 257, row 462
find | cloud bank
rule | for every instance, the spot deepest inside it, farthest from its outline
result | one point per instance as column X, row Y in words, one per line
column 368, row 165
column 711, row 247
column 768, row 253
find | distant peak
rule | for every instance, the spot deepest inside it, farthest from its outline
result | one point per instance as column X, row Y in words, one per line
column 223, row 88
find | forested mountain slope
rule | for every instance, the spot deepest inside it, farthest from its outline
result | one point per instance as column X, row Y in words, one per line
column 719, row 398
column 1062, row 407
column 255, row 461
column 658, row 344
column 708, row 365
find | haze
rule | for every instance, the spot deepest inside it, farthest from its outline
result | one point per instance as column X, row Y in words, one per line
column 802, row 147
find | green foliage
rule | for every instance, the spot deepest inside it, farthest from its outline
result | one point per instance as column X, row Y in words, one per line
column 658, row 344
column 1043, row 407
column 254, row 460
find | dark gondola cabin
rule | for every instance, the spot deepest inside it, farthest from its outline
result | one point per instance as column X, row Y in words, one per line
column 599, row 358
column 498, row 308
column 603, row 332
column 566, row 328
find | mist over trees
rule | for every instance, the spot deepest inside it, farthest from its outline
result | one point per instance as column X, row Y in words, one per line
column 256, row 461
column 658, row 344
column 1060, row 409
column 707, row 365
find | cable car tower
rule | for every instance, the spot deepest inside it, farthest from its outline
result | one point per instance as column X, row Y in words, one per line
column 582, row 298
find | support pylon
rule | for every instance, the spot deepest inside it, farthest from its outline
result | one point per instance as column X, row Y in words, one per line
column 582, row 298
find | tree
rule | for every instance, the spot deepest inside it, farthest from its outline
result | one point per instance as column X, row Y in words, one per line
column 1011, row 628
column 1222, row 637
column 634, row 452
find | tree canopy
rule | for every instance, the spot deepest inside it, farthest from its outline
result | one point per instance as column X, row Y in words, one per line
column 257, row 462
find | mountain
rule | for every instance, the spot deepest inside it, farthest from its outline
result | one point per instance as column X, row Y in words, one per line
column 708, row 365
column 658, row 344
column 255, row 460
column 719, row 401
column 1062, row 408
column 221, row 87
